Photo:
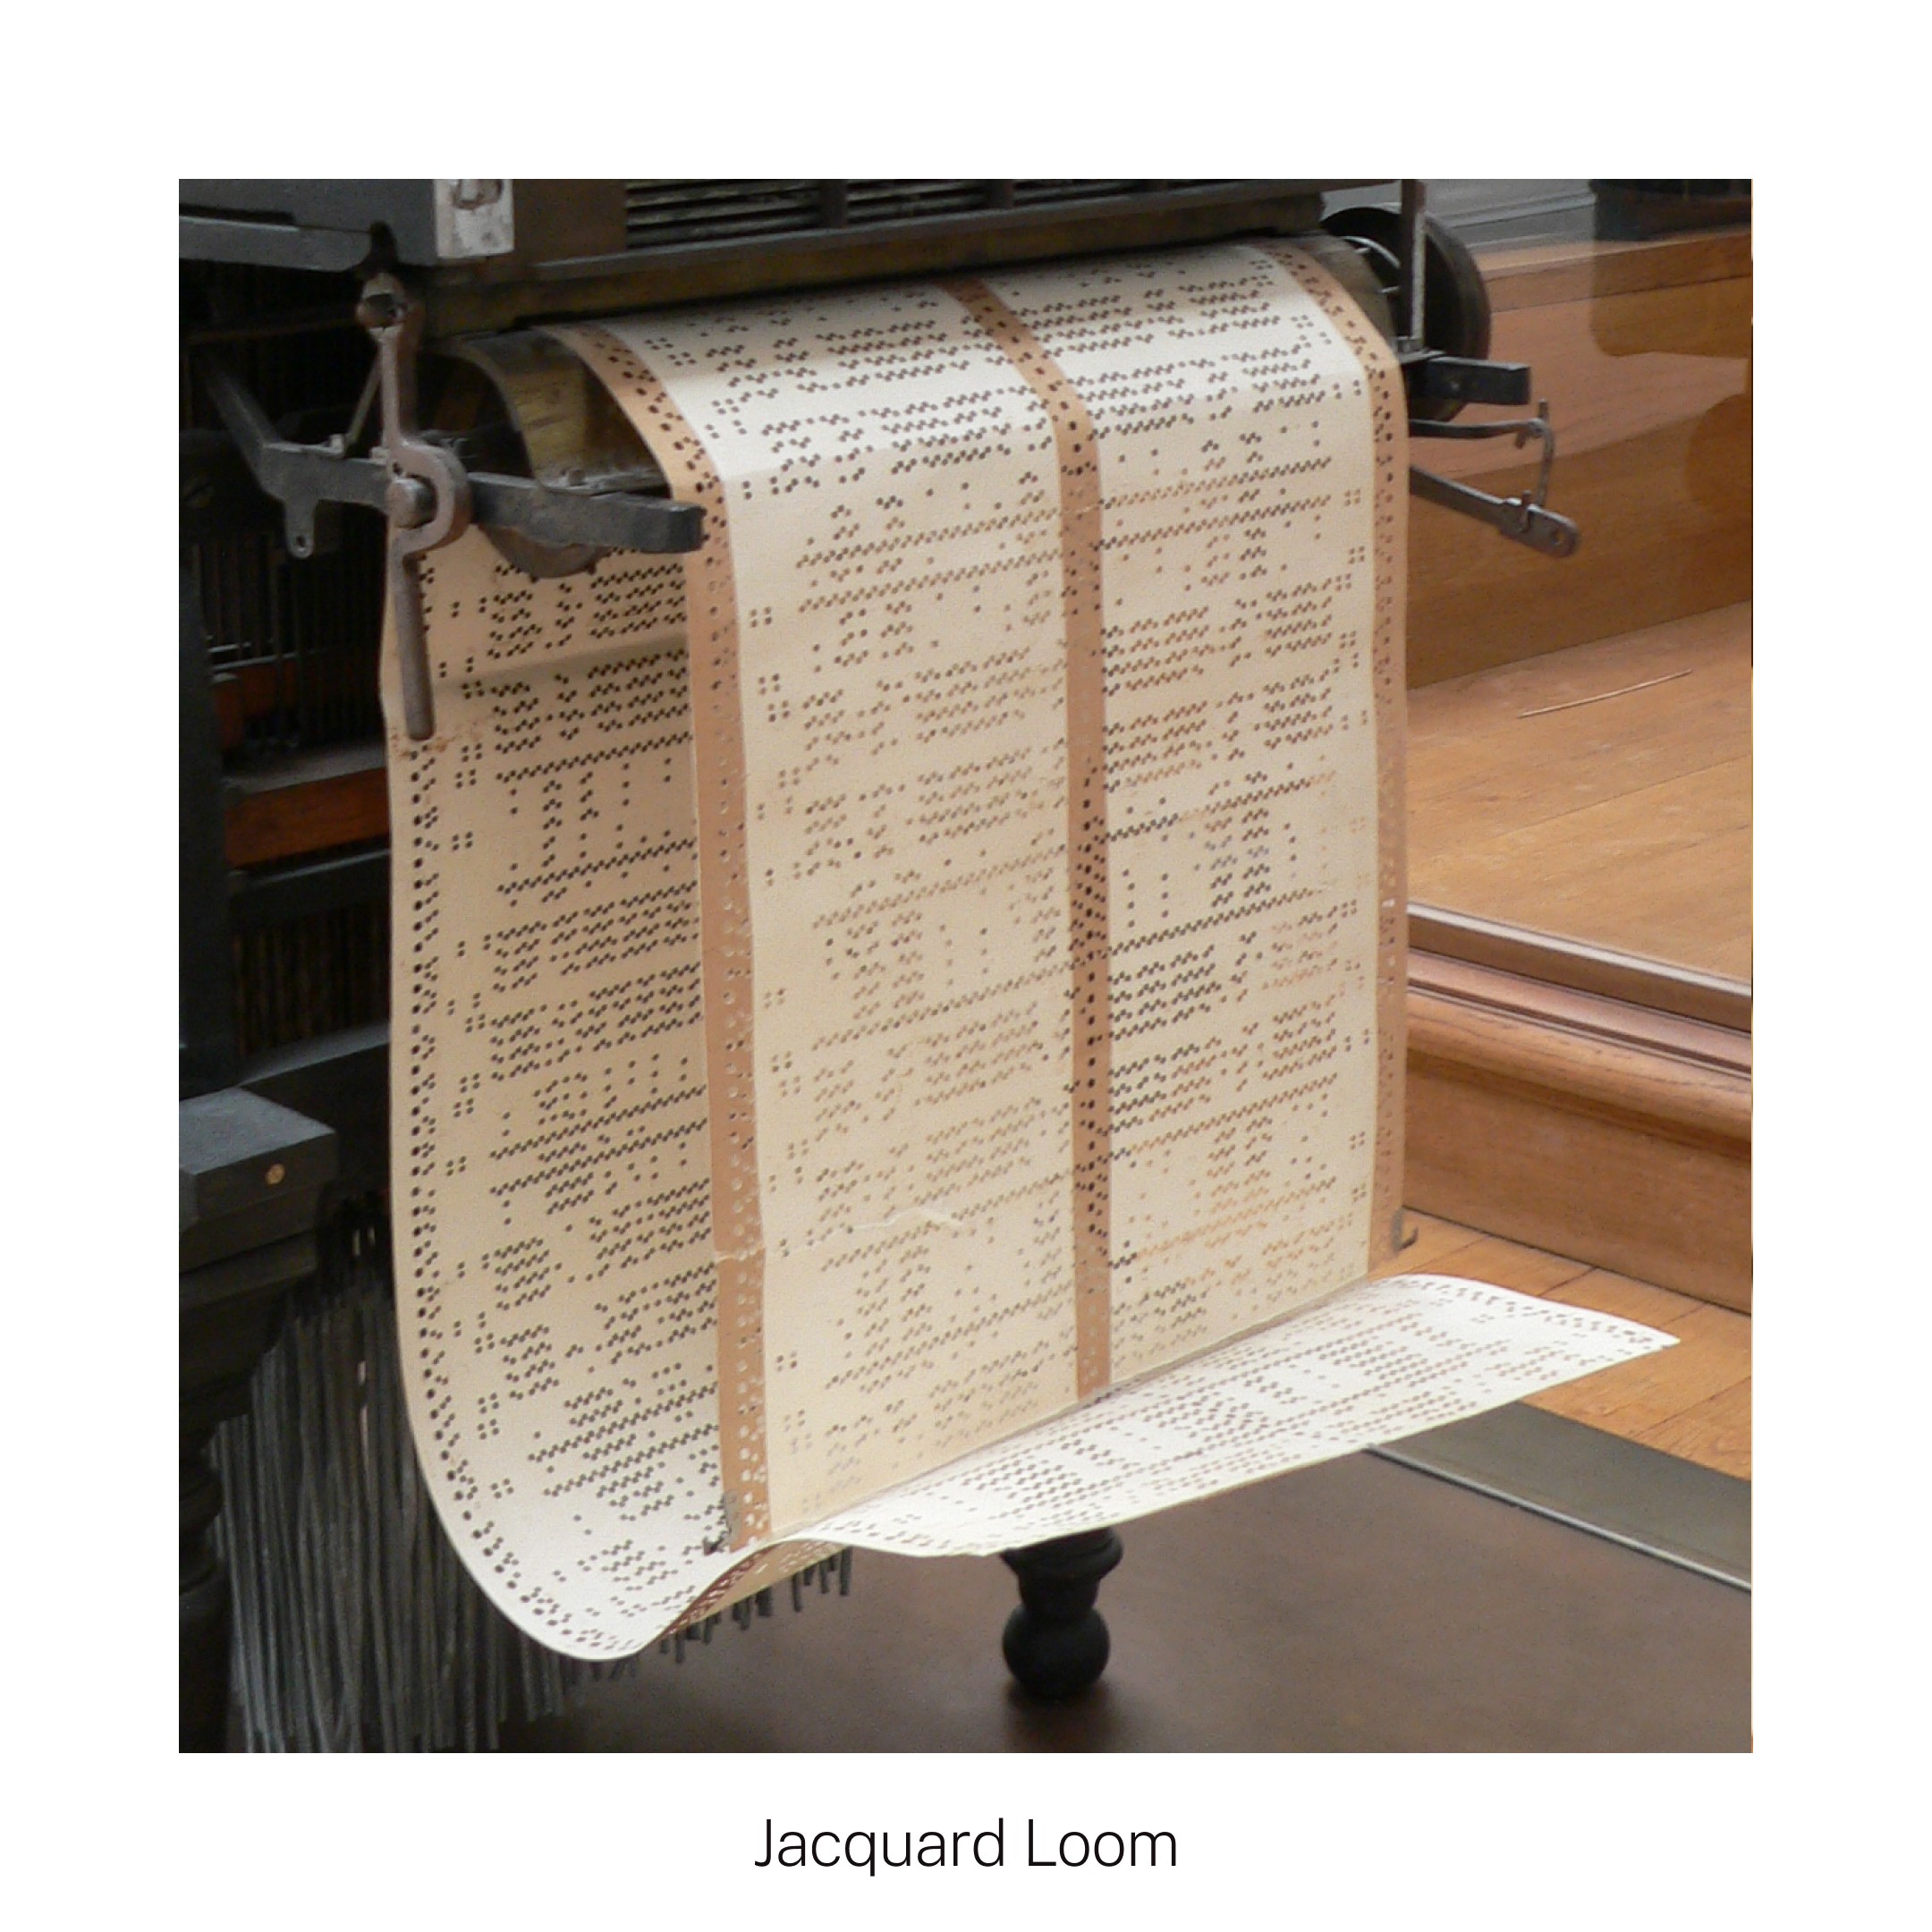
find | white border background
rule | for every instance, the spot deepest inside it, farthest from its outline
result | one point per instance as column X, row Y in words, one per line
column 1816, row 1820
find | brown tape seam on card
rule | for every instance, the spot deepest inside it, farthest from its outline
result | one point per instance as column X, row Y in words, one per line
column 724, row 916
column 1087, row 828
column 1389, row 419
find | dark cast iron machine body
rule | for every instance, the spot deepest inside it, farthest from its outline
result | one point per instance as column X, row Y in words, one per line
column 372, row 347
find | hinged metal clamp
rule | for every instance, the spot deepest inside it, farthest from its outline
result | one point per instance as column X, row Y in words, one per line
column 1524, row 519
column 422, row 485
column 1445, row 361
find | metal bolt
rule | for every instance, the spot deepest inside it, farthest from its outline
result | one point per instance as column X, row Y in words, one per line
column 380, row 308
column 277, row 1175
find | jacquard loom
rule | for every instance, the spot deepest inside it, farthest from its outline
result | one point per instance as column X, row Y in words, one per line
column 371, row 369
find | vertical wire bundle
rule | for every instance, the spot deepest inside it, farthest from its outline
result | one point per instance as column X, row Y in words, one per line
column 355, row 1625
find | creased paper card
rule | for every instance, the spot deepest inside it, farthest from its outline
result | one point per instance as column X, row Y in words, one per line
column 929, row 959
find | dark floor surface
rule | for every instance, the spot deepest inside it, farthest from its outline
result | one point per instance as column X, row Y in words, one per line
column 1355, row 1606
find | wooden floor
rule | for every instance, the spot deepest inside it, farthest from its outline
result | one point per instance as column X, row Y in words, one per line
column 1602, row 793
column 1693, row 1401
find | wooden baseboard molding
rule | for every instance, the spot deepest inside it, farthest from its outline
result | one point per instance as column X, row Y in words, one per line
column 1586, row 1125
column 1583, row 967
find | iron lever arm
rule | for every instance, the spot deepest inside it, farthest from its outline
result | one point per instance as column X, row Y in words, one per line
column 428, row 498
column 302, row 476
column 1523, row 519
column 1520, row 519
column 424, row 489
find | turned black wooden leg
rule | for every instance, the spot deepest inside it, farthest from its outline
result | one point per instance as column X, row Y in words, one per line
column 1057, row 1642
column 203, row 1603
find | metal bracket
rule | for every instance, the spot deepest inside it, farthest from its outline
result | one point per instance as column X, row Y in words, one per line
column 422, row 485
column 1411, row 316
column 309, row 478
column 1446, row 378
column 1523, row 519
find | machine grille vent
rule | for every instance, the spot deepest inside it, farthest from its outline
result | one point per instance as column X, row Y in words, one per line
column 677, row 214
column 669, row 214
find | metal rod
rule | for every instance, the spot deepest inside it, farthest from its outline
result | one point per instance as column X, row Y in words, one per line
column 412, row 649
column 1414, row 260
column 1516, row 517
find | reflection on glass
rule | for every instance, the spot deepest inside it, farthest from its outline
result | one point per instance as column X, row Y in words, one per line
column 1581, row 746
